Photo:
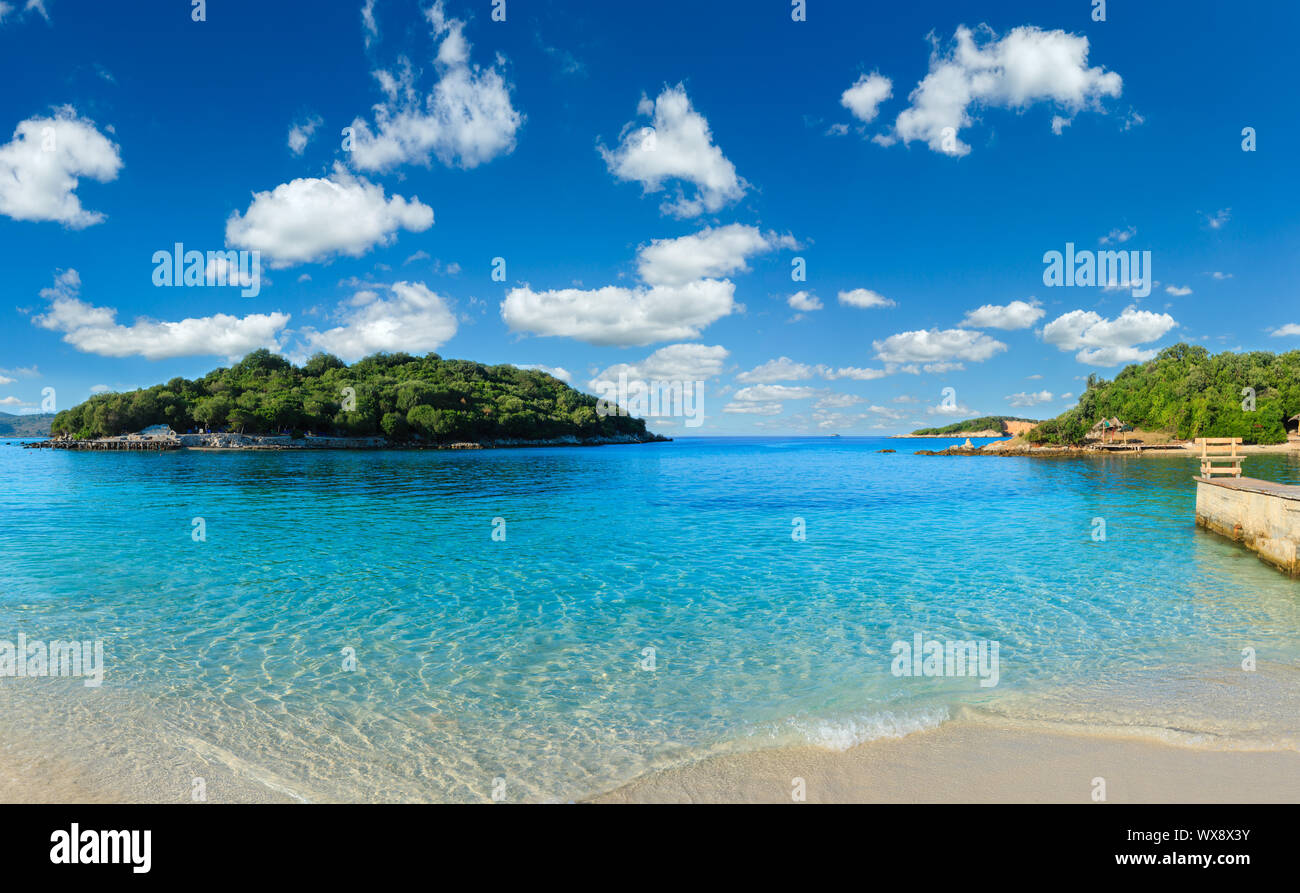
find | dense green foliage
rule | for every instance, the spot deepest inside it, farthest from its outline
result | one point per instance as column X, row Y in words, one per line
column 984, row 423
column 397, row 395
column 36, row 424
column 1188, row 393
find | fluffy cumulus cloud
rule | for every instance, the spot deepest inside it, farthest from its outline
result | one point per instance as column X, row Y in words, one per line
column 466, row 120
column 43, row 163
column 766, row 399
column 780, row 369
column 95, row 330
column 1108, row 342
column 313, row 219
column 1030, row 399
column 677, row 299
column 710, row 253
column 863, row 99
column 404, row 316
column 676, row 145
column 1016, row 315
column 676, row 362
column 615, row 315
column 864, row 298
column 804, row 302
column 940, row 348
column 1027, row 66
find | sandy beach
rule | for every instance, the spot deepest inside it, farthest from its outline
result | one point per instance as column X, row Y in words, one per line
column 974, row 762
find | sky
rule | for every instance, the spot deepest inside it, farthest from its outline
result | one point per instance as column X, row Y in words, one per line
column 839, row 216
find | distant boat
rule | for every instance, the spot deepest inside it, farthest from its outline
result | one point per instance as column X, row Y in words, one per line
column 832, row 435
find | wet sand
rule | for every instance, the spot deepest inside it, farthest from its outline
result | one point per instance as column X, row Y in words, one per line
column 969, row 762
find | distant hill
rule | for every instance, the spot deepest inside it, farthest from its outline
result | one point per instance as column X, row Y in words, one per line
column 1188, row 393
column 985, row 426
column 33, row 425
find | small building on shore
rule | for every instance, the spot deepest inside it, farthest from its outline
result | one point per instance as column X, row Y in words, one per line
column 1106, row 430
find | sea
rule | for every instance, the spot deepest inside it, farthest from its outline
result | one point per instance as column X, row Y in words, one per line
column 542, row 625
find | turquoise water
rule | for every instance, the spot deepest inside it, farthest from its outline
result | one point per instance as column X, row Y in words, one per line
column 523, row 659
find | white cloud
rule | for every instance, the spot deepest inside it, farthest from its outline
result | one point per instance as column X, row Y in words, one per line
column 95, row 330
column 1107, row 342
column 4, row 379
column 1221, row 275
column 1027, row 66
column 865, row 298
column 674, row 303
column 410, row 318
column 676, row 146
column 40, row 167
column 710, row 253
column 764, row 409
column 937, row 346
column 1030, row 399
column 856, row 373
column 863, row 99
column 467, row 119
column 837, row 401
column 676, row 362
column 615, row 315
column 763, row 393
column 300, row 134
column 37, row 5
column 1178, row 291
column 953, row 409
column 804, row 302
column 1016, row 315
column 1118, row 235
column 1289, row 330
column 1218, row 218
column 312, row 219
column 368, row 23
column 100, row 389
column 781, row 369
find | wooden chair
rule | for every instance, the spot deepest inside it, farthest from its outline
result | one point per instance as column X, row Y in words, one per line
column 1219, row 456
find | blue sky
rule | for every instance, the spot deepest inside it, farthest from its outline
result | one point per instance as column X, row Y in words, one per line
column 127, row 129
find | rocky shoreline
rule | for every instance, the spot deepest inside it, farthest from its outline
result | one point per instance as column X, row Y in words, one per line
column 228, row 441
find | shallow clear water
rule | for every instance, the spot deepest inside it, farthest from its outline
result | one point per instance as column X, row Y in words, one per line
column 523, row 659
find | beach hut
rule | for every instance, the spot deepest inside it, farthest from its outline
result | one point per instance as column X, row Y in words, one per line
column 1106, row 429
column 1293, row 427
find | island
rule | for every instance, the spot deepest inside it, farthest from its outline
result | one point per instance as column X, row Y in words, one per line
column 384, row 400
column 36, row 424
column 1166, row 403
column 985, row 426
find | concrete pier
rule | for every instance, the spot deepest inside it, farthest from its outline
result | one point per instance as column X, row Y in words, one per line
column 1261, row 515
